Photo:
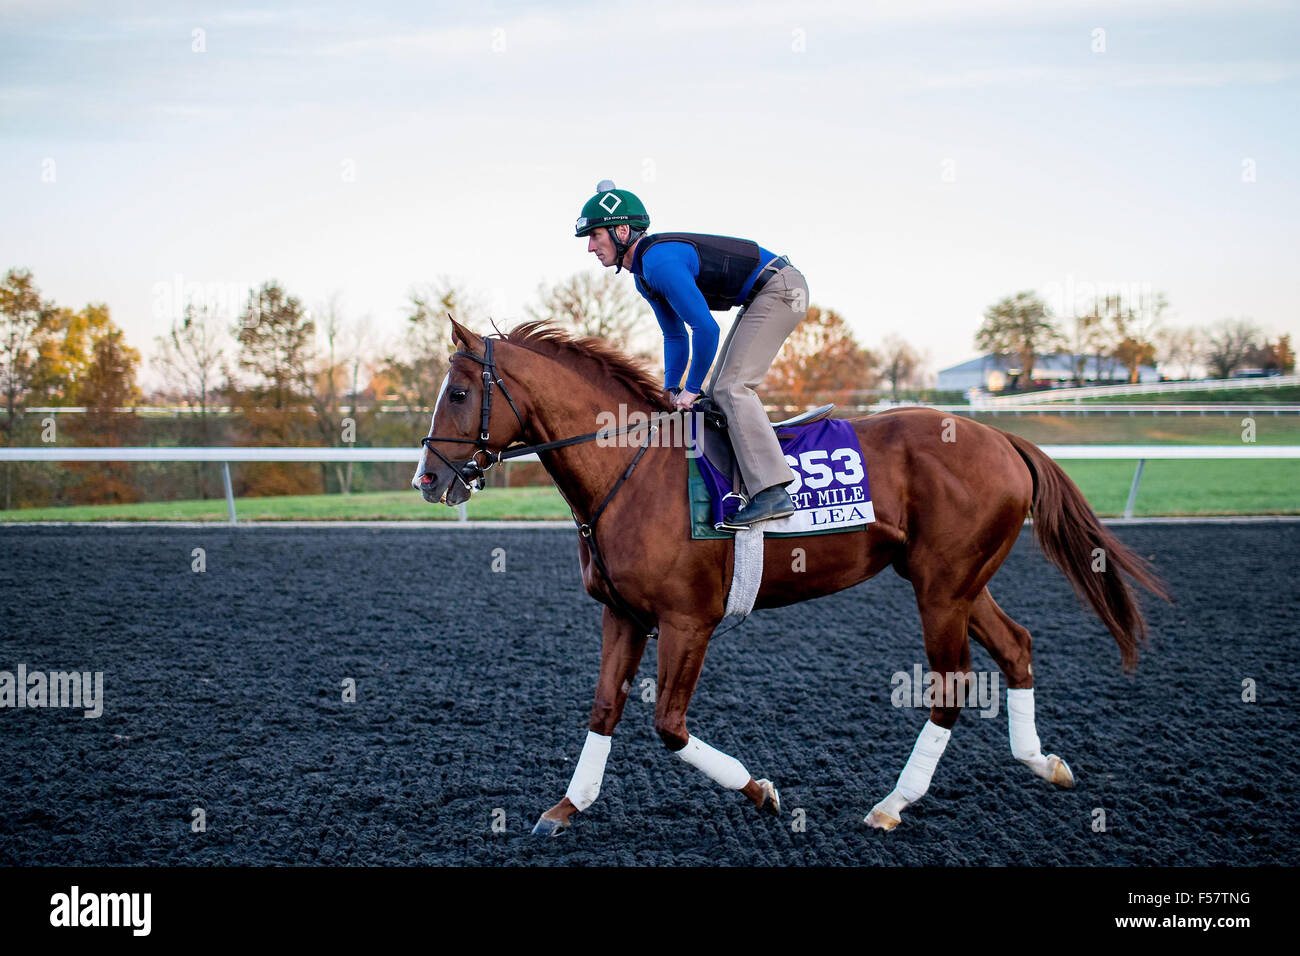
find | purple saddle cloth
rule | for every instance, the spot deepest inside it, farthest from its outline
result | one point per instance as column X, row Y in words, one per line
column 830, row 487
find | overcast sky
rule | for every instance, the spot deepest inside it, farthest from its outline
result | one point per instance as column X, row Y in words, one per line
column 916, row 160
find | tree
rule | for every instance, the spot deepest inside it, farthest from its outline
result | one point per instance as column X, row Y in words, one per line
column 189, row 358
column 64, row 351
column 1272, row 356
column 277, row 344
column 415, row 367
column 821, row 356
column 1180, row 348
column 1019, row 327
column 899, row 363
column 1227, row 345
column 596, row 304
column 1135, row 330
column 340, row 364
column 1285, row 354
column 23, row 316
column 108, row 386
column 1133, row 354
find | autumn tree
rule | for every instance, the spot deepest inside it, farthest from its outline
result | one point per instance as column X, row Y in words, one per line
column 1019, row 327
column 23, row 317
column 65, row 351
column 1274, row 357
column 821, row 357
column 107, row 388
column 1134, row 325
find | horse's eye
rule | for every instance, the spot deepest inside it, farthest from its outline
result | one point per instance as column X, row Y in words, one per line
column 458, row 394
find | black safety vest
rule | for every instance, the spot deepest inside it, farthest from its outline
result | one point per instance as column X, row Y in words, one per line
column 725, row 264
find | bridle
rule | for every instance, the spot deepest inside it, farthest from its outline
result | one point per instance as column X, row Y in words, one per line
column 472, row 475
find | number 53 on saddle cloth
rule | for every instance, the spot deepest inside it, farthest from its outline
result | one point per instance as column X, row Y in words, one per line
column 830, row 487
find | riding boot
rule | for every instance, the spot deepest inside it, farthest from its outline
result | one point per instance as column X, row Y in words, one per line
column 769, row 503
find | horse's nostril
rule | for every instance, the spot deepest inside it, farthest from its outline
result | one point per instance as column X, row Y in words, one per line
column 426, row 479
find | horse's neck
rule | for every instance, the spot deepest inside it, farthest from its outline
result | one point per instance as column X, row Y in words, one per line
column 564, row 405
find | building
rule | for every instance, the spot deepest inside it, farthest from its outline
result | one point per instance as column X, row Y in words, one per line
column 994, row 373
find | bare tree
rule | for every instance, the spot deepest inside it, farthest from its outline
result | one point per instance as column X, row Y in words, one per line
column 1227, row 344
column 596, row 304
column 189, row 357
column 899, row 363
column 417, row 361
column 1181, row 348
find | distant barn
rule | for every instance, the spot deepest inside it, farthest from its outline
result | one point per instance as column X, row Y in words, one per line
column 995, row 373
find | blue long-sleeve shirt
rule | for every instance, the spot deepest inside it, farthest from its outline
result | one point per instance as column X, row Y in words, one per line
column 667, row 281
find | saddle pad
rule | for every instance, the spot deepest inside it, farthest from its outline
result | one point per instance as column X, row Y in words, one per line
column 830, row 488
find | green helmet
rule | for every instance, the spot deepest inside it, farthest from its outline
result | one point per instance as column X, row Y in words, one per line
column 611, row 207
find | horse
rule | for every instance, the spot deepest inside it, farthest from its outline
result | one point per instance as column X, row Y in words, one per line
column 950, row 497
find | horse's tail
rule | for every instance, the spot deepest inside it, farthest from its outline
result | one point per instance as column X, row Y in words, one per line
column 1095, row 562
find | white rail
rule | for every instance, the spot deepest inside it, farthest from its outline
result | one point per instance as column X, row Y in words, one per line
column 1148, row 388
column 1138, row 453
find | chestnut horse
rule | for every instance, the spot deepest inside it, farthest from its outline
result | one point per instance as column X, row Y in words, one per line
column 950, row 497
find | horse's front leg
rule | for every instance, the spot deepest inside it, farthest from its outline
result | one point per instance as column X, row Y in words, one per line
column 622, row 645
column 681, row 657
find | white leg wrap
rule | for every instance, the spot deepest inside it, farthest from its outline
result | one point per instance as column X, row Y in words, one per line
column 585, row 785
column 914, row 781
column 722, row 769
column 1025, row 745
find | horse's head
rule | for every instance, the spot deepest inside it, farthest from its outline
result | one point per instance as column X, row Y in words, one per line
column 474, row 419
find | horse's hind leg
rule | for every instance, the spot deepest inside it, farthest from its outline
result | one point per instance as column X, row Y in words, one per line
column 1009, row 645
column 681, row 657
column 945, row 620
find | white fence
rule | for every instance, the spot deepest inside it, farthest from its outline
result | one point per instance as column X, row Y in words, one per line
column 1149, row 388
column 1139, row 453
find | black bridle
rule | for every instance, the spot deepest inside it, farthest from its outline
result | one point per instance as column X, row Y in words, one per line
column 471, row 474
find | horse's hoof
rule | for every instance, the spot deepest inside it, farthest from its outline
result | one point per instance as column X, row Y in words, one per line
column 880, row 820
column 1059, row 772
column 549, row 828
column 771, row 799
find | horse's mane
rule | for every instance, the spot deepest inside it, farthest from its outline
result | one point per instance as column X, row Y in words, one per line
column 594, row 356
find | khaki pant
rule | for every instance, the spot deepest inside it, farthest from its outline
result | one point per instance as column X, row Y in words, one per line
column 748, row 352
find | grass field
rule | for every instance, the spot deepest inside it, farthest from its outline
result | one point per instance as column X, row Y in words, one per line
column 1140, row 429
column 1168, row 488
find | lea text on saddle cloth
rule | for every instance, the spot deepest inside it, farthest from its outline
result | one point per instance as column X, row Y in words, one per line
column 830, row 487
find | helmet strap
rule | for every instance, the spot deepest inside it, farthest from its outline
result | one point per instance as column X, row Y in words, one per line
column 620, row 248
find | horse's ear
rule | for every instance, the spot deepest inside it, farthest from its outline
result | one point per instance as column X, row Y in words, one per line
column 463, row 337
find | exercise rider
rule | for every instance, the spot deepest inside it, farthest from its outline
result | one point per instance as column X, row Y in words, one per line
column 684, row 276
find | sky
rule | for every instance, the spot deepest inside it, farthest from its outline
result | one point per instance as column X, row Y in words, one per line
column 917, row 161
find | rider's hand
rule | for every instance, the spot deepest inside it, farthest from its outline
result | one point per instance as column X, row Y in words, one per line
column 685, row 399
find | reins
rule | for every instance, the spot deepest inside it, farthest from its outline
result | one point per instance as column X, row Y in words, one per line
column 472, row 475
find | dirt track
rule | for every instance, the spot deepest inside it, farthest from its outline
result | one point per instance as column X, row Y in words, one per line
column 223, row 690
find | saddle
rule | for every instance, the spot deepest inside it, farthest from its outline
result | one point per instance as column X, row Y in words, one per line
column 715, row 439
